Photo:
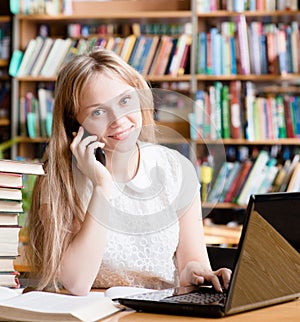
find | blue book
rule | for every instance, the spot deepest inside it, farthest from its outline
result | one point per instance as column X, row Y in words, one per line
column 134, row 50
column 218, row 57
column 252, row 5
column 214, row 54
column 14, row 6
column 175, row 40
column 289, row 59
column 263, row 50
column 140, row 66
column 233, row 56
column 296, row 108
column 202, row 53
column 15, row 62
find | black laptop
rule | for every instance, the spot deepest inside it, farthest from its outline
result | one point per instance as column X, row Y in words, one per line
column 266, row 269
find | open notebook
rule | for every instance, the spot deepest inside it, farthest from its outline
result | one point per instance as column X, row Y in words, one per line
column 266, row 269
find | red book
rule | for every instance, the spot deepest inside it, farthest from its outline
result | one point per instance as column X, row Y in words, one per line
column 288, row 117
column 238, row 181
column 164, row 55
column 271, row 52
column 185, row 57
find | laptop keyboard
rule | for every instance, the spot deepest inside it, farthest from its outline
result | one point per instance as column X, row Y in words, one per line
column 196, row 298
column 192, row 297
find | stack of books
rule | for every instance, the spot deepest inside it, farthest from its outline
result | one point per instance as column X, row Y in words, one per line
column 11, row 184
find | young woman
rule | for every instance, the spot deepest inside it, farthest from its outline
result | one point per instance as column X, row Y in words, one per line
column 135, row 220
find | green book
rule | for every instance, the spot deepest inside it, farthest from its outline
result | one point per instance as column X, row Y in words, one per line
column 225, row 113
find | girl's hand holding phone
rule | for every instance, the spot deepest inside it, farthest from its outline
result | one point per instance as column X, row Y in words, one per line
column 83, row 148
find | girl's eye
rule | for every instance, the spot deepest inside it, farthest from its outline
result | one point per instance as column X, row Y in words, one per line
column 125, row 100
column 98, row 112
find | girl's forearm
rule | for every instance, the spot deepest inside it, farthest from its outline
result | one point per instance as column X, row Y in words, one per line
column 81, row 262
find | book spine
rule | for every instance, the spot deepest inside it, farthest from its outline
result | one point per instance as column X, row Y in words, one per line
column 225, row 113
column 235, row 110
column 250, row 184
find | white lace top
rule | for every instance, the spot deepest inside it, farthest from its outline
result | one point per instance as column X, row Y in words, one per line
column 143, row 227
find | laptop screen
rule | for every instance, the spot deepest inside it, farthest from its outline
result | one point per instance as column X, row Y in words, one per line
column 282, row 211
column 267, row 265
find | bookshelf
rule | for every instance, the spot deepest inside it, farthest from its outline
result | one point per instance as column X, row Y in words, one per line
column 120, row 16
column 278, row 79
column 123, row 15
column 5, row 80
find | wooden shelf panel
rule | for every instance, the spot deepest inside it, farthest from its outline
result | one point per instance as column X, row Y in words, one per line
column 222, row 234
column 163, row 78
column 292, row 141
column 250, row 77
column 183, row 130
column 3, row 62
column 25, row 139
column 110, row 16
column 4, row 122
column 223, row 205
column 4, row 19
column 263, row 13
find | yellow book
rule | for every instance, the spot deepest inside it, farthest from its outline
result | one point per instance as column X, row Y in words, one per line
column 128, row 47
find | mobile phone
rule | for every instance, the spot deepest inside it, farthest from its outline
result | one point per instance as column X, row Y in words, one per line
column 99, row 153
column 100, row 156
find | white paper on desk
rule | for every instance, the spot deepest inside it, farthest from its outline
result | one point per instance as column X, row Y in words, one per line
column 115, row 292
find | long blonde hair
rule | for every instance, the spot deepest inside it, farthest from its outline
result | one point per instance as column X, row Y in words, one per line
column 55, row 205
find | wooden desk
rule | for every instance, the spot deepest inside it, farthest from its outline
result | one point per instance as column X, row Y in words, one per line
column 286, row 312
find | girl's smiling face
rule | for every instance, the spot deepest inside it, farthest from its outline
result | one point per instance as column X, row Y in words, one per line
column 110, row 109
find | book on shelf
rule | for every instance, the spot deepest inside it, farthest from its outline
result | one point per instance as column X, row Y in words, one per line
column 236, row 123
column 201, row 53
column 184, row 63
column 21, row 167
column 128, row 47
column 290, row 167
column 136, row 50
column 45, row 105
column 46, row 306
column 27, row 57
column 233, row 171
column 281, row 175
column 35, row 55
column 154, row 61
column 144, row 55
column 225, row 120
column 183, row 41
column 238, row 181
column 38, row 64
column 219, row 183
column 267, row 177
column 250, row 185
column 55, row 57
column 294, row 183
column 163, row 55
